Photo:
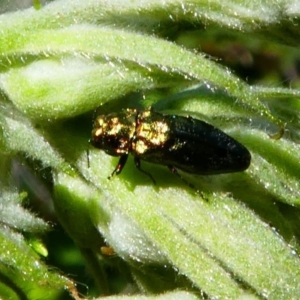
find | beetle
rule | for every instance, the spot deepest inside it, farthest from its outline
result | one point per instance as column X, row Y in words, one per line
column 183, row 143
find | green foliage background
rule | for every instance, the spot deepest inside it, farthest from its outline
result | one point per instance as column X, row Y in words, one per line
column 234, row 64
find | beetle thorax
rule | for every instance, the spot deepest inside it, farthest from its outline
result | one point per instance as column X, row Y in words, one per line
column 150, row 135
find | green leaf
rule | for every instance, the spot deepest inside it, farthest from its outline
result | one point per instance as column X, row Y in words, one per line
column 167, row 296
column 130, row 61
column 15, row 216
column 18, row 134
column 240, row 235
column 17, row 259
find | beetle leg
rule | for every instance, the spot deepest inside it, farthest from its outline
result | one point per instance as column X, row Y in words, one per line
column 138, row 166
column 118, row 169
column 174, row 171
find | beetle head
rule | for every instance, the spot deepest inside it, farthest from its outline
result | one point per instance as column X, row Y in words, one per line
column 113, row 133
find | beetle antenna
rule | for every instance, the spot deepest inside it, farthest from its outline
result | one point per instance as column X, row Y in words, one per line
column 88, row 153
